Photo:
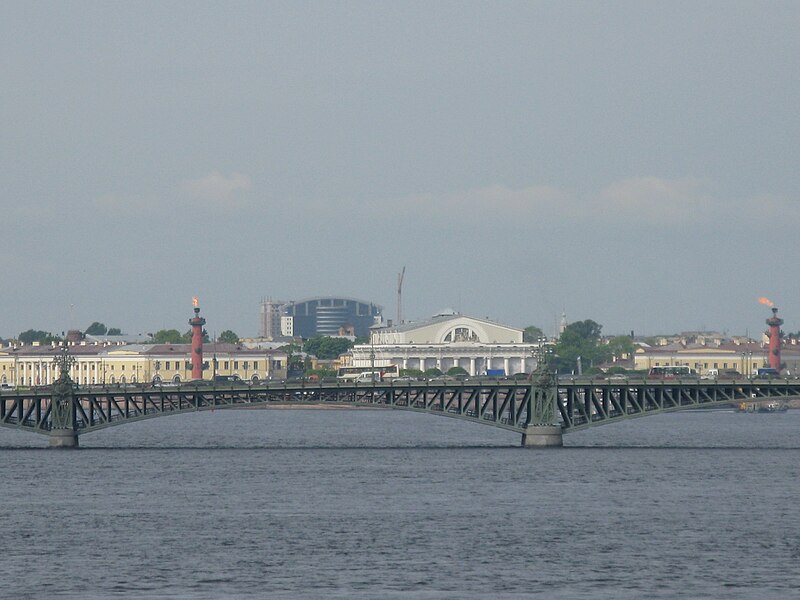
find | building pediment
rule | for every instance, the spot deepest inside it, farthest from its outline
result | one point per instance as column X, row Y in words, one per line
column 450, row 329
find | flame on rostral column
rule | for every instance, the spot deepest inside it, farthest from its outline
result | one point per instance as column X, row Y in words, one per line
column 766, row 301
column 195, row 302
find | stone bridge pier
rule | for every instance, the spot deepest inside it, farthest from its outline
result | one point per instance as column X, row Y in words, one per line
column 63, row 438
column 541, row 436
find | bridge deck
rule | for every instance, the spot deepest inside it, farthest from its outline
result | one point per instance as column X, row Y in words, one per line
column 579, row 403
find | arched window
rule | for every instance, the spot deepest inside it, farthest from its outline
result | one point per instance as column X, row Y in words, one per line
column 461, row 334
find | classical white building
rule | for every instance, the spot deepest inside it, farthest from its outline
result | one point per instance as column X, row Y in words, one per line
column 448, row 340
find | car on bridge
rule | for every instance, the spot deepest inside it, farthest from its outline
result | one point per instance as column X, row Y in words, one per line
column 727, row 374
column 767, row 373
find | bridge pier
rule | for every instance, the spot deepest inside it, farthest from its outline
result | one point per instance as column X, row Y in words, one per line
column 543, row 436
column 63, row 438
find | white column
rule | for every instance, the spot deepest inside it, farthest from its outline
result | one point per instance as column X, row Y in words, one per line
column 472, row 367
column 505, row 366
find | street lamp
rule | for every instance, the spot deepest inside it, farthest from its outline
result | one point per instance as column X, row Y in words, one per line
column 542, row 354
column 372, row 355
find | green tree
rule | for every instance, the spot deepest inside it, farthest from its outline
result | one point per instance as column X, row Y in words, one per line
column 294, row 360
column 96, row 328
column 580, row 339
column 532, row 334
column 114, row 331
column 228, row 337
column 168, row 336
column 619, row 345
column 35, row 335
column 456, row 371
column 325, row 347
column 433, row 372
column 411, row 373
column 586, row 330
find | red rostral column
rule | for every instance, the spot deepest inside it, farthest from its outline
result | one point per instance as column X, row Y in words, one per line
column 197, row 323
column 775, row 323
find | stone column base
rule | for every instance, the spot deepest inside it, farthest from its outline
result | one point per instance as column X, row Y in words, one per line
column 539, row 436
column 63, row 438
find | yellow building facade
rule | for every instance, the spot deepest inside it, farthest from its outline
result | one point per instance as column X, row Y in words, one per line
column 746, row 358
column 98, row 364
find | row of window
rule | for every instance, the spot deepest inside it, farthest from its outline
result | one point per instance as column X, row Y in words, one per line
column 706, row 365
column 225, row 365
column 168, row 365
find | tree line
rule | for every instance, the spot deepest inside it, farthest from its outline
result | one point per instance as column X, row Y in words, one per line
column 163, row 336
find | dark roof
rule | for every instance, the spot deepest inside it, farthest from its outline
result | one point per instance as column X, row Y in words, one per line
column 208, row 349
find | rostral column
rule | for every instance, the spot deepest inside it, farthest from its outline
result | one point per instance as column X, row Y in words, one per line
column 197, row 323
column 775, row 323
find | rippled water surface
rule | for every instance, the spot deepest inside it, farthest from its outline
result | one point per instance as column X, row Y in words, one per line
column 382, row 504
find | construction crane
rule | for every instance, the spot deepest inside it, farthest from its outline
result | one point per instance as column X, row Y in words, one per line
column 400, row 276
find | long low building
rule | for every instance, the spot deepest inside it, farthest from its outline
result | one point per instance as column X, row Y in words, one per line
column 744, row 357
column 95, row 364
column 448, row 340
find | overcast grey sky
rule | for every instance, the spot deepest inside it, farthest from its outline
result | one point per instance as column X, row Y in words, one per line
column 634, row 163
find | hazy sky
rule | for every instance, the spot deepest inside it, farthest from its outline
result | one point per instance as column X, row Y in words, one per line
column 635, row 163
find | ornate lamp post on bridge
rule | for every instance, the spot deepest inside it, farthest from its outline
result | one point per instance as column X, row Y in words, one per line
column 543, row 428
column 62, row 406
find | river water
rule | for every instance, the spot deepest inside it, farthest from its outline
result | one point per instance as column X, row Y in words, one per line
column 388, row 504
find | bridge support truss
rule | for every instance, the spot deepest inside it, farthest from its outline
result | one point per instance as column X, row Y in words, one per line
column 63, row 431
column 543, row 428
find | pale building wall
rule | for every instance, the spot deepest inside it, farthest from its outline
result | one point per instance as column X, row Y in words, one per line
column 703, row 359
column 125, row 366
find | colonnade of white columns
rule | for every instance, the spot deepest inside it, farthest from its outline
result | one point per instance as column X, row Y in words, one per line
column 476, row 361
column 45, row 372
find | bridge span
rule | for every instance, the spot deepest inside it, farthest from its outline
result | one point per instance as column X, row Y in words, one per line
column 541, row 410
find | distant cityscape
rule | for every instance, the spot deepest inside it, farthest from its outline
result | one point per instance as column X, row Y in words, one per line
column 445, row 342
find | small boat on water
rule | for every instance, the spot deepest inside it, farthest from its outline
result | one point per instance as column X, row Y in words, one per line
column 757, row 407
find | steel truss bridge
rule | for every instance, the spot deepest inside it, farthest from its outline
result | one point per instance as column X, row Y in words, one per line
column 541, row 410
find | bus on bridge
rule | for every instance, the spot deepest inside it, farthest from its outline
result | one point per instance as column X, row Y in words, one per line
column 672, row 372
column 386, row 372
